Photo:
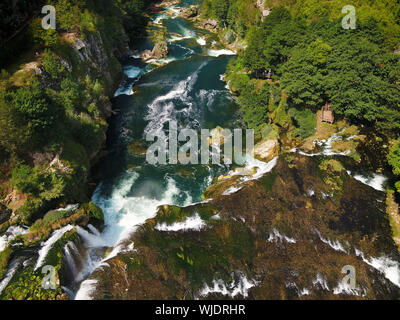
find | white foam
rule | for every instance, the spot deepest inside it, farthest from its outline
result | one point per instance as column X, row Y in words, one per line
column 262, row 167
column 326, row 146
column 233, row 289
column 92, row 240
column 304, row 292
column 70, row 207
column 376, row 181
column 10, row 273
column 231, row 190
column 275, row 236
column 126, row 90
column 87, row 288
column 162, row 109
column 385, row 265
column 132, row 71
column 217, row 53
column 10, row 235
column 46, row 246
column 344, row 287
column 322, row 281
column 310, row 192
column 201, row 41
column 160, row 18
column 336, row 245
column 122, row 214
column 191, row 223
column 174, row 38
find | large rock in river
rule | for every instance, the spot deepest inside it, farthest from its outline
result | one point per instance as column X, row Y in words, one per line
column 266, row 150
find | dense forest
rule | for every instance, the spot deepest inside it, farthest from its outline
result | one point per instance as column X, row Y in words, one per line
column 314, row 61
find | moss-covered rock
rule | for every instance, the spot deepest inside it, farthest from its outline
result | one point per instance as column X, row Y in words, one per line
column 27, row 283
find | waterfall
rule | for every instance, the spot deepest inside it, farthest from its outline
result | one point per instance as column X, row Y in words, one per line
column 69, row 251
column 14, row 265
column 46, row 246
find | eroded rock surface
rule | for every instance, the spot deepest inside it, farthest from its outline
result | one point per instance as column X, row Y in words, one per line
column 285, row 236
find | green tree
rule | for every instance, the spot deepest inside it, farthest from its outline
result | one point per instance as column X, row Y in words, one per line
column 52, row 65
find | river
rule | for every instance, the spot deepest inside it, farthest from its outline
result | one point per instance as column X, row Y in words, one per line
column 189, row 90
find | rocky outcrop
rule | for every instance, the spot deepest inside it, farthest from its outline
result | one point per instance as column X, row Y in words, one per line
column 160, row 49
column 210, row 24
column 265, row 12
column 266, row 150
column 190, row 12
column 92, row 53
column 5, row 213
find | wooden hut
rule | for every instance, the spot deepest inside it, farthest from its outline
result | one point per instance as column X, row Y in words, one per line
column 327, row 114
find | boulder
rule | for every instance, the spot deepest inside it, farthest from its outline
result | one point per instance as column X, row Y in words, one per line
column 160, row 51
column 190, row 12
column 210, row 24
column 266, row 150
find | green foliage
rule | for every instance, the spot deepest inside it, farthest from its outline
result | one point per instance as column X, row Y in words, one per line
column 394, row 161
column 254, row 105
column 52, row 65
column 71, row 95
column 27, row 283
column 134, row 21
column 31, row 209
column 68, row 14
column 39, row 181
column 305, row 120
column 96, row 215
column 394, row 157
column 56, row 215
column 319, row 62
column 40, row 36
column 36, row 111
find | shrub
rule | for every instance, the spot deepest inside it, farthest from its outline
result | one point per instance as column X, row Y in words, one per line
column 31, row 209
column 56, row 215
column 96, row 215
column 305, row 120
column 37, row 111
column 52, row 65
column 48, row 37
